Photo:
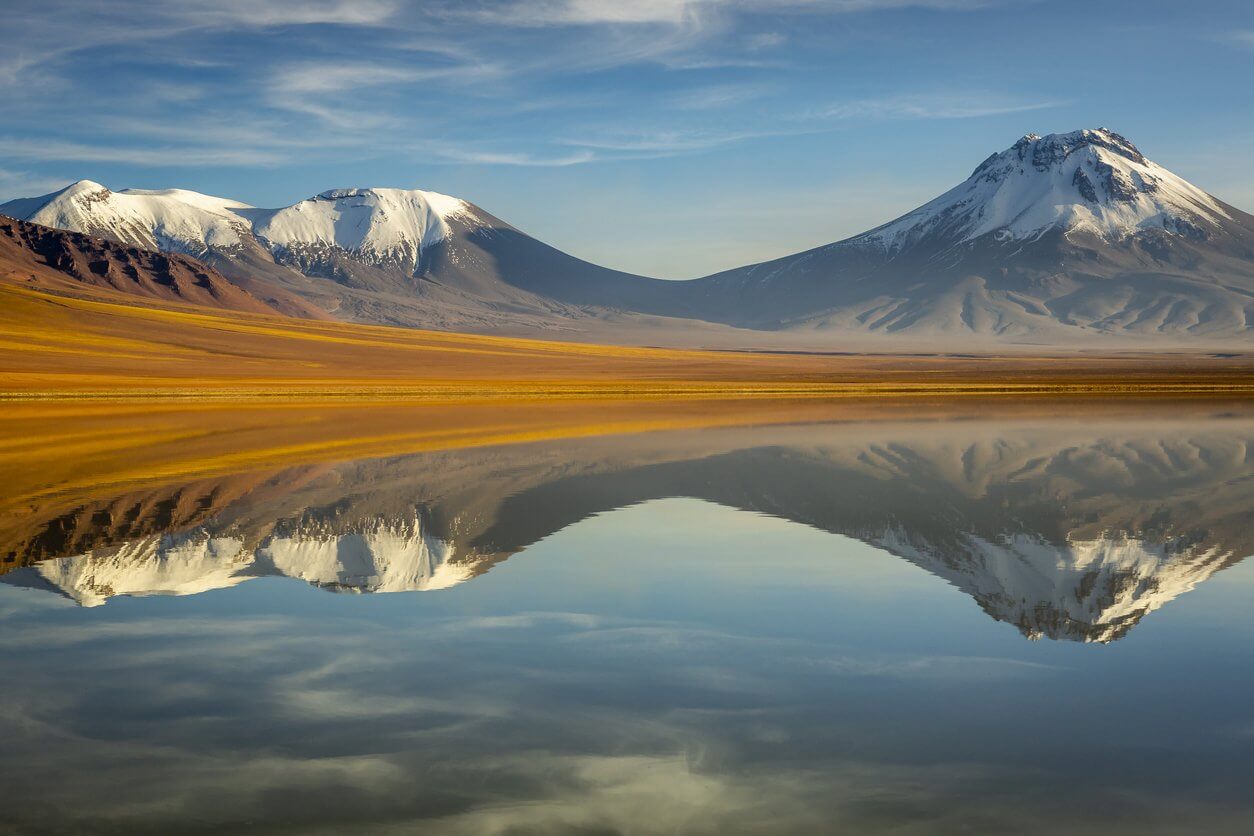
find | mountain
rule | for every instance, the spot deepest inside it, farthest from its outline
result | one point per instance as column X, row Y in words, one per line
column 1064, row 532
column 75, row 263
column 1067, row 236
column 1073, row 238
column 384, row 256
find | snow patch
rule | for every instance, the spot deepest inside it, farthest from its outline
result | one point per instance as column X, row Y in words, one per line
column 376, row 226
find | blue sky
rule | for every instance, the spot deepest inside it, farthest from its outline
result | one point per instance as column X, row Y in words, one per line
column 668, row 137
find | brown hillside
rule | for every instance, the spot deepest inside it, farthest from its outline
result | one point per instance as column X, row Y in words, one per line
column 70, row 262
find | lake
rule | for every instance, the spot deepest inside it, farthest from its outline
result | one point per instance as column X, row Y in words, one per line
column 988, row 625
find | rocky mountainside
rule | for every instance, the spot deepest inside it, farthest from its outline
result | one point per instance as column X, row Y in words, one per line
column 1062, row 239
column 76, row 263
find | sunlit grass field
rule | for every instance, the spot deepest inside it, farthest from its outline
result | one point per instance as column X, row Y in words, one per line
column 59, row 346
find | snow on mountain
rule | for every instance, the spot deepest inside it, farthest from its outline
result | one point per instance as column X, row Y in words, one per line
column 1063, row 239
column 173, row 220
column 1091, row 180
column 389, row 227
column 375, row 226
column 216, row 205
column 1071, row 238
column 1081, row 590
column 381, row 556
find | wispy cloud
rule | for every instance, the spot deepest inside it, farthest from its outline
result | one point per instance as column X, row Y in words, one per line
column 334, row 92
column 20, row 148
column 313, row 78
column 947, row 106
column 41, row 34
column 717, row 96
column 533, row 13
column 434, row 82
column 251, row 13
column 536, row 13
column 671, row 142
column 676, row 142
column 765, row 40
column 509, row 158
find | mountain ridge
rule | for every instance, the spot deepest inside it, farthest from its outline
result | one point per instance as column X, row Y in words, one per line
column 1058, row 238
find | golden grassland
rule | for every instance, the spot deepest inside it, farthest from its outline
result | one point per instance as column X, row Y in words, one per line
column 98, row 345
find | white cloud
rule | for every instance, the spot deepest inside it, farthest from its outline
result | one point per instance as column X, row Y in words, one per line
column 39, row 34
column 46, row 150
column 591, row 12
column 948, row 106
column 266, row 13
column 314, row 78
column 534, row 13
column 717, row 96
column 329, row 91
column 675, row 142
column 765, row 40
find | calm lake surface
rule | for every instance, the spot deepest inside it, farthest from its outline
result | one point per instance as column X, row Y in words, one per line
column 1020, row 626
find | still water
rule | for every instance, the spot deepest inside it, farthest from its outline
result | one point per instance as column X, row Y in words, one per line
column 932, row 628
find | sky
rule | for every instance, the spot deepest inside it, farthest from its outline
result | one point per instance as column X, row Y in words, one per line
column 672, row 138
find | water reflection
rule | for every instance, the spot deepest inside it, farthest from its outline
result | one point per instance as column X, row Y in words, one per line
column 698, row 632
column 1067, row 530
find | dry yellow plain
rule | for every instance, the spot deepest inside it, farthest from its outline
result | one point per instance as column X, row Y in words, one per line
column 99, row 345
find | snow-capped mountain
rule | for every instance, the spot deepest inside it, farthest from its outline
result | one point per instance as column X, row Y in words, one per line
column 374, row 226
column 1087, row 181
column 1063, row 239
column 379, row 227
column 1058, row 238
column 378, row 255
column 171, row 220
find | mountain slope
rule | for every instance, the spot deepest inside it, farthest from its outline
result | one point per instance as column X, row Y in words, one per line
column 1059, row 237
column 67, row 262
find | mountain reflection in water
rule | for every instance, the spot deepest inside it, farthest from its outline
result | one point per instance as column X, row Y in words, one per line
column 1066, row 530
column 702, row 632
